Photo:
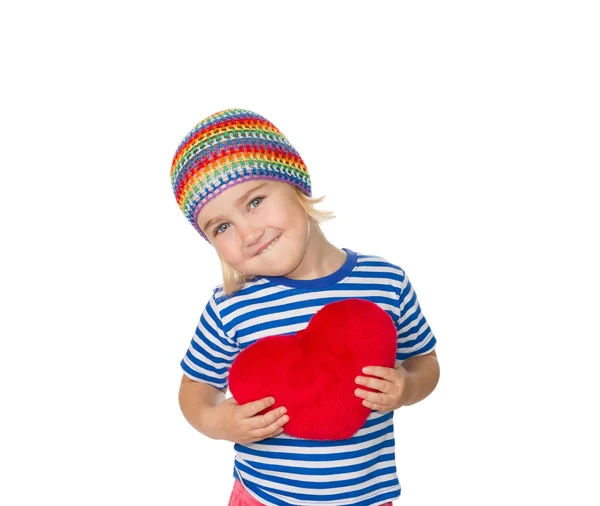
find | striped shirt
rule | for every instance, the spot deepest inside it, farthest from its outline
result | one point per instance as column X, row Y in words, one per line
column 286, row 470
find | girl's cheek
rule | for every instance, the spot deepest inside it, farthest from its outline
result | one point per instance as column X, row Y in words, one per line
column 228, row 245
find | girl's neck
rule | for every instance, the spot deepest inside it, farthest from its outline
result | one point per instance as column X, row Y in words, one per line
column 320, row 259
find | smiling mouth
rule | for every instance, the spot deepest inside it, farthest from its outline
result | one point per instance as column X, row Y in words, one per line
column 269, row 247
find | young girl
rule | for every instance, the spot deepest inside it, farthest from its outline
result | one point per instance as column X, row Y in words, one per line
column 246, row 191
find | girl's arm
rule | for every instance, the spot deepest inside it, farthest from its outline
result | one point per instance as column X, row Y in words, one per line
column 196, row 400
column 209, row 412
column 423, row 376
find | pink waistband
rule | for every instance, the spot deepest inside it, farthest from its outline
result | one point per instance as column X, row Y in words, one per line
column 241, row 497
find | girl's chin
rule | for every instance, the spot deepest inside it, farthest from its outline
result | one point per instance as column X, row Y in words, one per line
column 271, row 268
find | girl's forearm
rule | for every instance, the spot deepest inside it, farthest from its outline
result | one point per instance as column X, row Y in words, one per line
column 197, row 403
column 424, row 374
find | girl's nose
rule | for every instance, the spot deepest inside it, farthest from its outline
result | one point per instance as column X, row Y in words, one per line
column 251, row 234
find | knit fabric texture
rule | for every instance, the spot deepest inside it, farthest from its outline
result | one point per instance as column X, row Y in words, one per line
column 227, row 148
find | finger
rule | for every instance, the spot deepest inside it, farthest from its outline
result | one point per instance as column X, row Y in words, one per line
column 264, row 432
column 257, row 439
column 374, row 397
column 252, row 408
column 260, row 421
column 375, row 406
column 381, row 372
column 376, row 384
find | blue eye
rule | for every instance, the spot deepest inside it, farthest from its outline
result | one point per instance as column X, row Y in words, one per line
column 220, row 228
column 259, row 199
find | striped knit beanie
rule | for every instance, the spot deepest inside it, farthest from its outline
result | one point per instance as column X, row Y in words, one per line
column 228, row 148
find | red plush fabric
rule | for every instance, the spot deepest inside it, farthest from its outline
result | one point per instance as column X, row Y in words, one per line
column 312, row 373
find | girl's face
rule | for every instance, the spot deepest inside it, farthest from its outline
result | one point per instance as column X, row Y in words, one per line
column 258, row 227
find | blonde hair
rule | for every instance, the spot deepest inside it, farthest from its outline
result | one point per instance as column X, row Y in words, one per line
column 234, row 280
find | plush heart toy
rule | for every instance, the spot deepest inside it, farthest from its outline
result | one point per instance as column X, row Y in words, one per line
column 312, row 373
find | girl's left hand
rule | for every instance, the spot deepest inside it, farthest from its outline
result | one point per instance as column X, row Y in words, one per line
column 394, row 388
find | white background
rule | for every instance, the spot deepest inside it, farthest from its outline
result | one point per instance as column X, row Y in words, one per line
column 459, row 140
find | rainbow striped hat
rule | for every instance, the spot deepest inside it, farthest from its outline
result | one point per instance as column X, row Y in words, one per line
column 228, row 148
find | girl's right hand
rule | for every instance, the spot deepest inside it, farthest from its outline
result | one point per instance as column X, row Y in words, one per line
column 240, row 423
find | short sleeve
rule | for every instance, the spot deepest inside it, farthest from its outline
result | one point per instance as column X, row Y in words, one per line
column 415, row 337
column 211, row 352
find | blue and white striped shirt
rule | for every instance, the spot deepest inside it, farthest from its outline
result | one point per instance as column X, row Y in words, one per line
column 285, row 470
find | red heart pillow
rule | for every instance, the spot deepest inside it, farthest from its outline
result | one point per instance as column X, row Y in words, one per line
column 312, row 373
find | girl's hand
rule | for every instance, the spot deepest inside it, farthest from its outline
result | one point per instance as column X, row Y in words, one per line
column 239, row 423
column 394, row 388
